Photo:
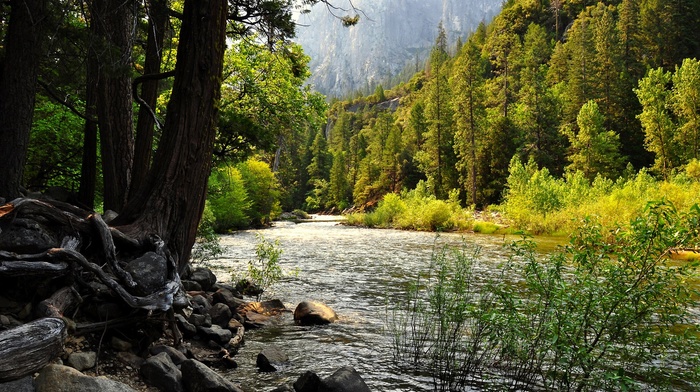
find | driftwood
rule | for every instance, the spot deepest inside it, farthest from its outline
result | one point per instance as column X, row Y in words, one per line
column 28, row 348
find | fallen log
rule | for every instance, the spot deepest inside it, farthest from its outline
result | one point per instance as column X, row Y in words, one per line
column 28, row 348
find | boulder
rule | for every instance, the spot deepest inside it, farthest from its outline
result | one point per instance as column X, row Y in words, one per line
column 82, row 361
column 314, row 313
column 345, row 379
column 271, row 359
column 129, row 359
column 25, row 384
column 197, row 377
column 200, row 320
column 188, row 329
column 160, row 371
column 191, row 285
column 120, row 344
column 149, row 271
column 220, row 314
column 27, row 236
column 176, row 355
column 227, row 297
column 216, row 334
column 308, row 382
column 204, row 277
column 58, row 378
column 200, row 304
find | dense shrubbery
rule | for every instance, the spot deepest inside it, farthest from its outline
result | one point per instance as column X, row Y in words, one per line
column 418, row 209
column 611, row 311
column 243, row 195
column 538, row 202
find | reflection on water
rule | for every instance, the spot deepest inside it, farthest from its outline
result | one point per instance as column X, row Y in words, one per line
column 357, row 272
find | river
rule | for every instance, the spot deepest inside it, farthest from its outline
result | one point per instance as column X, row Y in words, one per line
column 356, row 271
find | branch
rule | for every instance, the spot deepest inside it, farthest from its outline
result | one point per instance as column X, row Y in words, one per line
column 137, row 98
column 53, row 94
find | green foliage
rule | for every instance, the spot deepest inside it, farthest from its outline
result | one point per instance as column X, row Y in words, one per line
column 207, row 246
column 610, row 311
column 262, row 189
column 228, row 199
column 265, row 271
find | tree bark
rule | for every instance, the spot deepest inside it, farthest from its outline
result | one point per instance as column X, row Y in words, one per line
column 18, row 83
column 88, row 169
column 172, row 200
column 157, row 22
column 30, row 347
column 112, row 22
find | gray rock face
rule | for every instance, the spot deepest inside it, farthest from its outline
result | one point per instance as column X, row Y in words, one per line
column 271, row 358
column 314, row 313
column 26, row 236
column 57, row 378
column 345, row 379
column 149, row 272
column 83, row 360
column 215, row 333
column 25, row 384
column 391, row 36
column 204, row 277
column 220, row 314
column 197, row 377
column 160, row 371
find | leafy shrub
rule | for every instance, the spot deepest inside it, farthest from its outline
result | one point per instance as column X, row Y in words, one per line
column 207, row 246
column 228, row 199
column 265, row 270
column 263, row 191
column 609, row 310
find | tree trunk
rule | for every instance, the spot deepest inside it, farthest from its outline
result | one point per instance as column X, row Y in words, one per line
column 112, row 22
column 171, row 202
column 88, row 169
column 18, row 81
column 157, row 23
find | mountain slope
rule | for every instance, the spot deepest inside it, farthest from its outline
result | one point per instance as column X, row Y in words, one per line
column 390, row 35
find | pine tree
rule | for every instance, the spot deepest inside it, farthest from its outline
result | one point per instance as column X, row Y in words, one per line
column 686, row 105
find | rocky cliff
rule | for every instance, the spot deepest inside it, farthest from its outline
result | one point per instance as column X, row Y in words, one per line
column 390, row 36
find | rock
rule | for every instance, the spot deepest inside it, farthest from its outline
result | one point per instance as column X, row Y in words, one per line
column 255, row 320
column 176, row 355
column 232, row 289
column 25, row 384
column 308, row 382
column 58, row 378
column 233, row 325
column 188, row 329
column 227, row 297
column 271, row 359
column 197, row 377
column 129, row 359
column 109, row 216
column 27, row 236
column 204, row 277
column 200, row 304
column 314, row 313
column 257, row 314
column 345, row 379
column 191, row 285
column 120, row 345
column 220, row 314
column 200, row 320
column 149, row 271
column 82, row 361
column 160, row 371
column 215, row 333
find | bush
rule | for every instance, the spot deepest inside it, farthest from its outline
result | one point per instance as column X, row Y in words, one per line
column 207, row 246
column 263, row 191
column 228, row 199
column 609, row 310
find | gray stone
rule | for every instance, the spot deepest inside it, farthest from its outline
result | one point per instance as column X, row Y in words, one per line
column 220, row 314
column 82, row 360
column 271, row 359
column 197, row 377
column 150, row 273
column 204, row 277
column 308, row 382
column 120, row 345
column 160, row 371
column 314, row 313
column 176, row 355
column 27, row 236
column 191, row 285
column 58, row 378
column 200, row 304
column 215, row 333
column 227, row 297
column 188, row 329
column 25, row 384
column 200, row 320
column 345, row 379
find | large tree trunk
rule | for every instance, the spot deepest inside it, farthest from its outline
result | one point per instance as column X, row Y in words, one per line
column 112, row 22
column 171, row 202
column 88, row 169
column 157, row 23
column 18, row 80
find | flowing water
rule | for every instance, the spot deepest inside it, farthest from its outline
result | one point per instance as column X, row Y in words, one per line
column 359, row 273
